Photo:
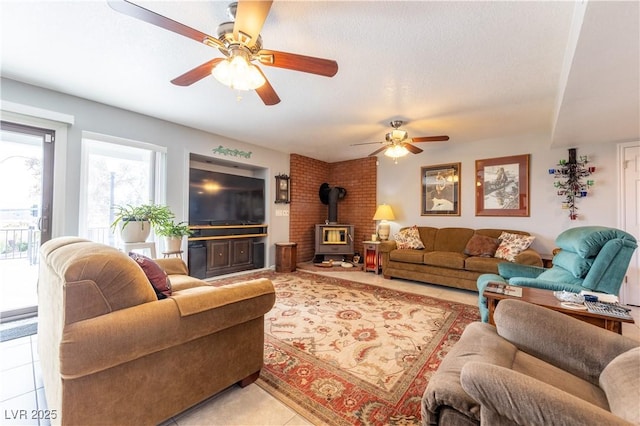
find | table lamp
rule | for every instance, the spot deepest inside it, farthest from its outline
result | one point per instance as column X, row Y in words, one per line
column 383, row 214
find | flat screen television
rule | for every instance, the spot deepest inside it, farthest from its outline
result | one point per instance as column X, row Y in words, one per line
column 217, row 198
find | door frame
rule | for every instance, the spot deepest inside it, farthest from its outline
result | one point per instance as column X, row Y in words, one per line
column 622, row 204
column 35, row 117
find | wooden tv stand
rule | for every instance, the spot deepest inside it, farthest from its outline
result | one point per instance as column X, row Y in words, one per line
column 229, row 248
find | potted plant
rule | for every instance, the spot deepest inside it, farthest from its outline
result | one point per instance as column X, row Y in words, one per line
column 173, row 234
column 135, row 222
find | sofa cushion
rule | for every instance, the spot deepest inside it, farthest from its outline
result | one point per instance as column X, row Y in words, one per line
column 407, row 256
column 408, row 238
column 485, row 265
column 481, row 245
column 559, row 275
column 452, row 239
column 573, row 263
column 446, row 259
column 155, row 274
column 620, row 381
column 512, row 244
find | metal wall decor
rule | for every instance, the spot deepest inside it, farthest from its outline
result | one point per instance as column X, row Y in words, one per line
column 570, row 180
column 231, row 152
column 282, row 189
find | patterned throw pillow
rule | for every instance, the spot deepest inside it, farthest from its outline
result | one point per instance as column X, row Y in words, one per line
column 155, row 274
column 512, row 245
column 409, row 238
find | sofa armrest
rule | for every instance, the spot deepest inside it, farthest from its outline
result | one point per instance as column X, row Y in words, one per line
column 103, row 342
column 173, row 266
column 529, row 257
column 507, row 397
column 572, row 345
column 199, row 299
column 545, row 285
column 387, row 246
column 509, row 270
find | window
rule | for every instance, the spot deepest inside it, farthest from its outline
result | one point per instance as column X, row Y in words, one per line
column 114, row 172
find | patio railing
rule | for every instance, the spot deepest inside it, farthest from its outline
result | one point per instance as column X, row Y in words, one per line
column 17, row 243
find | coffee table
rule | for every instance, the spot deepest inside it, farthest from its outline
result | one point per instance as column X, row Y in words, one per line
column 546, row 298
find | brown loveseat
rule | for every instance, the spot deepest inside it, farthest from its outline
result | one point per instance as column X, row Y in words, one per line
column 443, row 261
column 112, row 353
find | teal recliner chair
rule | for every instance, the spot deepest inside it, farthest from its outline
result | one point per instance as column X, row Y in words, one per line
column 592, row 258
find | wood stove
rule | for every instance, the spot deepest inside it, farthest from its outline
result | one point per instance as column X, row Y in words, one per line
column 334, row 241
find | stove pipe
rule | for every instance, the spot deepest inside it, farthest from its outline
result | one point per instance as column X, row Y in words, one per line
column 335, row 193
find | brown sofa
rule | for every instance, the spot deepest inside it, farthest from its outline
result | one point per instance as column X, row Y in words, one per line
column 112, row 353
column 443, row 261
column 535, row 367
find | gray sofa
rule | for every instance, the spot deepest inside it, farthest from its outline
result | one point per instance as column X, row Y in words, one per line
column 536, row 367
column 443, row 260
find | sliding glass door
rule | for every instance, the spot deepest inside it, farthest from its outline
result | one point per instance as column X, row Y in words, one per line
column 26, row 190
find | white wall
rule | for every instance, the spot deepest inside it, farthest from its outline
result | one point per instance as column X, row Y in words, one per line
column 546, row 219
column 179, row 140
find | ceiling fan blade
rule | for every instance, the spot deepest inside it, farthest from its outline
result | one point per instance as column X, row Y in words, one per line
column 292, row 61
column 412, row 149
column 430, row 139
column 266, row 92
column 139, row 12
column 378, row 151
column 364, row 143
column 250, row 17
column 196, row 74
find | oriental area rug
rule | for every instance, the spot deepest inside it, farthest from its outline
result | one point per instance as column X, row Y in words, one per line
column 340, row 352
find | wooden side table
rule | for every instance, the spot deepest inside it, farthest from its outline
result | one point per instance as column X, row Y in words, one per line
column 372, row 256
column 286, row 257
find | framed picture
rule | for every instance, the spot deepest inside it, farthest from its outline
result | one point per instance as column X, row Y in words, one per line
column 502, row 186
column 440, row 190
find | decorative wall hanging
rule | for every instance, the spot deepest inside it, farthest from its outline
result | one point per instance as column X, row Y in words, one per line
column 282, row 189
column 440, row 190
column 569, row 180
column 502, row 186
column 231, row 151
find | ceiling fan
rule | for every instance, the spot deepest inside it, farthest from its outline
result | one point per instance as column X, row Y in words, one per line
column 396, row 144
column 241, row 43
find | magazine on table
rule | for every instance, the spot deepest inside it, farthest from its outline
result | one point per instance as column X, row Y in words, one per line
column 508, row 290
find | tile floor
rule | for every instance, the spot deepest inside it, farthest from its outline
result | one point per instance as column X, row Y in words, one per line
column 22, row 394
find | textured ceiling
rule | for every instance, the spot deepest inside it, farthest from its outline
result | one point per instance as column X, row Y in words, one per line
column 565, row 71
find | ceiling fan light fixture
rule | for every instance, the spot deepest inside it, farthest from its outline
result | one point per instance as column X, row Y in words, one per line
column 396, row 151
column 237, row 73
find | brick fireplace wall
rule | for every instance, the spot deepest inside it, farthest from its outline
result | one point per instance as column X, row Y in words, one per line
column 358, row 177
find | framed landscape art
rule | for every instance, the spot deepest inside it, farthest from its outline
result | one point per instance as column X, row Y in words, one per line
column 440, row 190
column 502, row 186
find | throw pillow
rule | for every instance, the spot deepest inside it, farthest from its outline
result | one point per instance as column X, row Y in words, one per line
column 512, row 245
column 481, row 245
column 409, row 238
column 155, row 274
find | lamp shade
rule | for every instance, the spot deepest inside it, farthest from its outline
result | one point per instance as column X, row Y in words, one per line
column 384, row 212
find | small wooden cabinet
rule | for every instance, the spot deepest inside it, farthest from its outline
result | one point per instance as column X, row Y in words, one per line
column 372, row 256
column 286, row 257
